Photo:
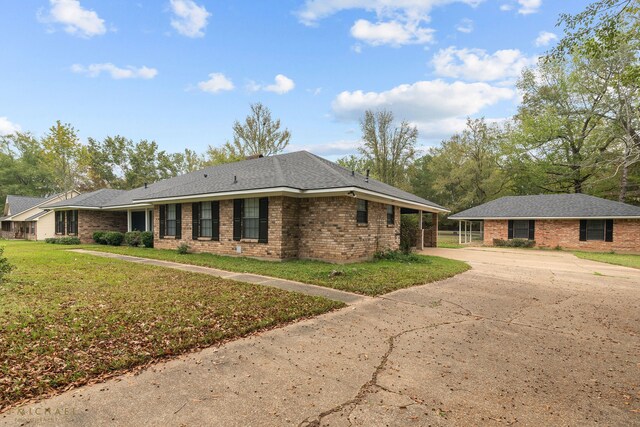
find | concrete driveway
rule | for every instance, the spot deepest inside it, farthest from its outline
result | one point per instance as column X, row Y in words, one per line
column 524, row 338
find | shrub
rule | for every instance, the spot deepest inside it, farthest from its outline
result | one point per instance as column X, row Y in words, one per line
column 147, row 239
column 408, row 232
column 514, row 243
column 398, row 256
column 98, row 237
column 68, row 240
column 183, row 249
column 133, row 238
column 5, row 265
column 113, row 238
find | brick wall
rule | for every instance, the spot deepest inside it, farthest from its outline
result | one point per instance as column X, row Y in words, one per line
column 566, row 234
column 90, row 221
column 316, row 228
column 329, row 230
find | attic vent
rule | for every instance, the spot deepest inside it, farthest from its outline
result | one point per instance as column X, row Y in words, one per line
column 255, row 156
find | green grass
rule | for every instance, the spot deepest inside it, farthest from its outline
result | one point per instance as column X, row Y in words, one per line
column 67, row 318
column 367, row 278
column 626, row 260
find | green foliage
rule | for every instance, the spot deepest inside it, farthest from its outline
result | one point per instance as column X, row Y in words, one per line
column 98, row 237
column 5, row 266
column 399, row 256
column 113, row 238
column 133, row 238
column 389, row 149
column 183, row 248
column 408, row 232
column 67, row 240
column 514, row 243
column 146, row 238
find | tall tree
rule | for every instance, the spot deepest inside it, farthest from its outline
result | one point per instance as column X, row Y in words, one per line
column 259, row 134
column 62, row 151
column 390, row 149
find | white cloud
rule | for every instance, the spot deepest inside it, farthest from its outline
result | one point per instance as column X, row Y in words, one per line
column 7, row 127
column 478, row 65
column 282, row 84
column 393, row 33
column 75, row 19
column 436, row 107
column 545, row 38
column 529, row 6
column 329, row 149
column 217, row 82
column 465, row 26
column 506, row 7
column 128, row 72
column 189, row 19
column 399, row 22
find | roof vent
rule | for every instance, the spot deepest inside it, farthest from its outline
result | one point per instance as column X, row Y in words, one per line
column 145, row 185
column 235, row 179
column 353, row 173
column 254, row 156
column 206, row 176
column 367, row 178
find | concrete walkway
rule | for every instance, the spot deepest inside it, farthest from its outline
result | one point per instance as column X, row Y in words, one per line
column 524, row 338
column 287, row 285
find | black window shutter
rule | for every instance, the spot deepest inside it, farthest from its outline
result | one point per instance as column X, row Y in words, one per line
column 583, row 230
column 68, row 222
column 532, row 229
column 195, row 215
column 608, row 231
column 263, row 231
column 215, row 220
column 162, row 220
column 178, row 221
column 510, row 231
column 237, row 219
column 366, row 211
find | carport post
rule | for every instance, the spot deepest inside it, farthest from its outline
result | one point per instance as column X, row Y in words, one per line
column 459, row 231
column 128, row 219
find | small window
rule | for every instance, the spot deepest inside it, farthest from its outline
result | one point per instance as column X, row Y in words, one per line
column 171, row 220
column 206, row 224
column 6, row 226
column 33, row 228
column 72, row 222
column 521, row 229
column 595, row 229
column 251, row 219
column 362, row 215
column 391, row 215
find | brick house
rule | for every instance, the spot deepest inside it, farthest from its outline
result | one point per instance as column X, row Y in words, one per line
column 572, row 221
column 26, row 217
column 294, row 205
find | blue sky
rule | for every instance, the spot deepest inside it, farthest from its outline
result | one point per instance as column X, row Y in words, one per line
column 180, row 71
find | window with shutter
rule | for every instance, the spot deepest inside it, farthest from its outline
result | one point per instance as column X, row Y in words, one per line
column 251, row 219
column 362, row 213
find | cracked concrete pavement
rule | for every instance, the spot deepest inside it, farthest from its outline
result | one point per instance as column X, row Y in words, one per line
column 524, row 337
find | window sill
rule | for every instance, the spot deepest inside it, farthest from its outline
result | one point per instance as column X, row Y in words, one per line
column 390, row 225
column 248, row 240
column 362, row 225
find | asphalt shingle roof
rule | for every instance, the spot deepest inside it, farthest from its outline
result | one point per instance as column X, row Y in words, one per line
column 94, row 199
column 550, row 206
column 36, row 216
column 299, row 170
column 19, row 204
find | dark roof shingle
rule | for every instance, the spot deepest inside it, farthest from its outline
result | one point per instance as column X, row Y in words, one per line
column 550, row 206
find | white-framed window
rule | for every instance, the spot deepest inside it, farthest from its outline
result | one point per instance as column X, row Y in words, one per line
column 521, row 229
column 251, row 219
column 362, row 211
column 206, row 223
column 596, row 229
column 171, row 220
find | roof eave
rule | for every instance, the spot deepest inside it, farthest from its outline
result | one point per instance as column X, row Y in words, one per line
column 504, row 218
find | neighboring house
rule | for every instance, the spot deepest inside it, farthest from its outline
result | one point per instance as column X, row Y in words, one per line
column 25, row 217
column 294, row 205
column 573, row 221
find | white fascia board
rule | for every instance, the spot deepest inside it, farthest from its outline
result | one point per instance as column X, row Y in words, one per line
column 132, row 206
column 294, row 192
column 72, row 207
column 541, row 218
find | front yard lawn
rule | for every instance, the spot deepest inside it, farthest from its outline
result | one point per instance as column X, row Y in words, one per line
column 368, row 278
column 67, row 318
column 626, row 260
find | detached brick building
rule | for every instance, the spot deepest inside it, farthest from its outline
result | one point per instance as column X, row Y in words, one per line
column 294, row 205
column 572, row 221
